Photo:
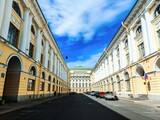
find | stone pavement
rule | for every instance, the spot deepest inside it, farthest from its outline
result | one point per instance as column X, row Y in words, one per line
column 6, row 108
column 151, row 103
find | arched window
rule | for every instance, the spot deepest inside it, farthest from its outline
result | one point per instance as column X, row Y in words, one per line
column 32, row 30
column 157, row 67
column 139, row 30
column 140, row 71
column 157, row 11
column 126, row 76
column 127, row 80
column 43, row 75
column 118, row 78
column 112, row 82
column 32, row 71
column 42, row 43
column 15, row 6
column 126, row 43
column 49, row 78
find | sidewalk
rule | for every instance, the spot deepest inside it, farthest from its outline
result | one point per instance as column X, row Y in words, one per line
column 20, row 105
column 149, row 103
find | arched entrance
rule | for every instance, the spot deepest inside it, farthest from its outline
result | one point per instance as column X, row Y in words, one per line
column 141, row 84
column 11, row 86
column 140, row 71
column 157, row 67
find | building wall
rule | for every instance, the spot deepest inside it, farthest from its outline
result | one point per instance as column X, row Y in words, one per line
column 134, row 50
column 20, row 53
column 80, row 80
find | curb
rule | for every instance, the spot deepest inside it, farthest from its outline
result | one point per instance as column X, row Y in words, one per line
column 126, row 100
column 29, row 105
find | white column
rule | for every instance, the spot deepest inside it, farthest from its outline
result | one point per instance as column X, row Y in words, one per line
column 6, row 19
column 2, row 6
column 121, row 49
column 134, row 47
column 24, row 30
column 145, row 36
column 55, row 65
column 110, row 65
column 152, row 43
column 60, row 69
column 29, row 34
column 115, row 60
column 130, row 48
column 38, row 45
column 46, row 54
column 51, row 60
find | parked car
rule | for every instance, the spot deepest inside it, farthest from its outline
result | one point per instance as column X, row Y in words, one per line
column 88, row 92
column 93, row 93
column 101, row 94
column 97, row 94
column 111, row 96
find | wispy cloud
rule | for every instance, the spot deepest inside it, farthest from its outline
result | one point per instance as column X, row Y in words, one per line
column 87, row 63
column 81, row 19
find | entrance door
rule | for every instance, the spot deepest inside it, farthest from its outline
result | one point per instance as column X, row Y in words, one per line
column 11, row 86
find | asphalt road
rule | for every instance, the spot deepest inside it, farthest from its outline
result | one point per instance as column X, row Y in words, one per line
column 72, row 107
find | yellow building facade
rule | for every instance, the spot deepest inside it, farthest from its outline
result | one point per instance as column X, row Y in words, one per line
column 130, row 64
column 31, row 64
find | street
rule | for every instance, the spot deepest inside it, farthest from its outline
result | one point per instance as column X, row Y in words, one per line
column 81, row 107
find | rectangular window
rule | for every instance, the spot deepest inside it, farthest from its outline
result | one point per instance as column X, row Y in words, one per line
column 73, row 85
column 41, row 86
column 141, row 50
column 119, row 64
column 31, row 85
column 41, row 58
column 31, row 50
column 158, row 33
column 48, row 64
column 49, row 87
column 118, row 51
column 53, row 87
column 13, row 34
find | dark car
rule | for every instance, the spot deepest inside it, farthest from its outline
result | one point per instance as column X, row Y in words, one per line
column 96, row 94
column 93, row 93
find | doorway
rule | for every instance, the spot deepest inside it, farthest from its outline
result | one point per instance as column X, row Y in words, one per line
column 11, row 85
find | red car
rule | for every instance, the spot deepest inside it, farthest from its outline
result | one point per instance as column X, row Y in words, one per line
column 101, row 94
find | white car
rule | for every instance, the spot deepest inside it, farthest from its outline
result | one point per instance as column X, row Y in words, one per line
column 111, row 96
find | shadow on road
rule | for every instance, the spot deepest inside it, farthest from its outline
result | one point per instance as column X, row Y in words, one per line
column 71, row 107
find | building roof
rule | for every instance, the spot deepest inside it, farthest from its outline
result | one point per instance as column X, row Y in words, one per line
column 80, row 68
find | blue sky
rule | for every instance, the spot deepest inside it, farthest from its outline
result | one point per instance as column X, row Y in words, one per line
column 84, row 28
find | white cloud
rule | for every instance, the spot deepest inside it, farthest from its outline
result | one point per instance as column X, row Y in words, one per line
column 86, row 63
column 81, row 17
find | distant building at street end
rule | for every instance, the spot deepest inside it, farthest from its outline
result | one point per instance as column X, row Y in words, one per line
column 80, row 79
